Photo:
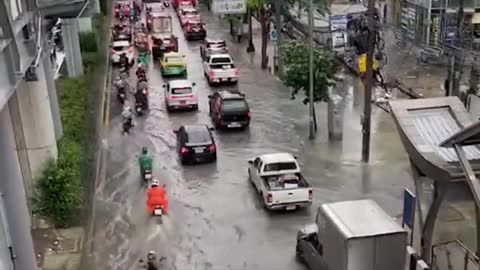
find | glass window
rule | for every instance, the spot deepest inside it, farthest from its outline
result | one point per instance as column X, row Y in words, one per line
column 235, row 105
column 221, row 60
column 199, row 136
column 280, row 166
column 174, row 59
column 181, row 91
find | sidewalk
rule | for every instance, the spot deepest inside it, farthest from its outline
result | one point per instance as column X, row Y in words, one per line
column 57, row 249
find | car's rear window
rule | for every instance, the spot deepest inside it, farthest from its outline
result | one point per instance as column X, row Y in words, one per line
column 181, row 91
column 120, row 48
column 221, row 60
column 222, row 66
column 216, row 45
column 199, row 136
column 280, row 166
column 235, row 105
column 173, row 59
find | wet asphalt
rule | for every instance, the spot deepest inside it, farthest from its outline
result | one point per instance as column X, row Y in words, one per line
column 216, row 220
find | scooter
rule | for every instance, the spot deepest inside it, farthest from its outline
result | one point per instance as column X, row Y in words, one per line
column 127, row 125
column 147, row 176
column 121, row 95
column 158, row 212
column 139, row 108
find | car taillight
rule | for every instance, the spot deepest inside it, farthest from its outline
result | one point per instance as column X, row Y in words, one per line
column 269, row 198
column 310, row 194
column 130, row 50
column 210, row 74
column 249, row 114
column 237, row 72
column 149, row 21
column 184, row 150
column 189, row 28
column 203, row 26
column 212, row 148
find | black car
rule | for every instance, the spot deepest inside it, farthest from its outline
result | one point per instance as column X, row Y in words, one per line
column 229, row 110
column 195, row 143
column 194, row 29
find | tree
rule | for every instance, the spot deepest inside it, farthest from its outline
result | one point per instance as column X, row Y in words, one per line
column 295, row 55
column 264, row 14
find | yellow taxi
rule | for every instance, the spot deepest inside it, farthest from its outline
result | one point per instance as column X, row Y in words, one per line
column 173, row 64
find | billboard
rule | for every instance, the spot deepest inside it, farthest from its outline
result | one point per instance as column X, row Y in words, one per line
column 229, row 6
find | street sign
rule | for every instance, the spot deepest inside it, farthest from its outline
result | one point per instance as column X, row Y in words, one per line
column 273, row 35
column 362, row 63
column 408, row 217
column 229, row 6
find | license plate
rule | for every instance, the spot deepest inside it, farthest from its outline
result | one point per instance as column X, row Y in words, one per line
column 234, row 125
column 157, row 212
column 291, row 207
column 198, row 149
column 183, row 102
column 148, row 176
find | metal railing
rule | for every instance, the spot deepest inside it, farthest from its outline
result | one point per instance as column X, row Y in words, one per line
column 453, row 255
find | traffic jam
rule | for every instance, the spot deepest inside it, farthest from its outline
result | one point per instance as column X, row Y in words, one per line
column 216, row 171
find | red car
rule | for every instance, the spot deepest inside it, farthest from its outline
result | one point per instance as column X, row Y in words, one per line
column 194, row 29
column 177, row 3
column 122, row 8
column 188, row 14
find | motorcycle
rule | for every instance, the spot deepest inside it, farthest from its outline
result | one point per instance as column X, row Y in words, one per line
column 139, row 108
column 122, row 95
column 127, row 125
column 147, row 176
column 158, row 212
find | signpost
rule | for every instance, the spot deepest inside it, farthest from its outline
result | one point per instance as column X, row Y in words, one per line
column 229, row 6
column 338, row 27
column 408, row 217
column 274, row 38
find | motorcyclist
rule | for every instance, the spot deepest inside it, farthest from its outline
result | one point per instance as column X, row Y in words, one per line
column 151, row 263
column 124, row 62
column 127, row 113
column 143, row 58
column 141, row 97
column 145, row 161
column 140, row 72
column 156, row 195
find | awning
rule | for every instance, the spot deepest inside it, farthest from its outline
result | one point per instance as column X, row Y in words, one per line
column 476, row 18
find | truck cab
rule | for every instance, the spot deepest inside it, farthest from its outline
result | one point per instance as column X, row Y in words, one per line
column 352, row 235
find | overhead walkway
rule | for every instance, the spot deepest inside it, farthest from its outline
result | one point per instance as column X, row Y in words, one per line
column 441, row 139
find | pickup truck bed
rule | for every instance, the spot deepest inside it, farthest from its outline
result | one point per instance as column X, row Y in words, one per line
column 273, row 183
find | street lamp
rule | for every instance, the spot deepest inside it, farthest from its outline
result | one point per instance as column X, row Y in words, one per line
column 310, row 69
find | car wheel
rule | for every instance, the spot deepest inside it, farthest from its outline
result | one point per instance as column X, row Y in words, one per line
column 210, row 83
column 235, row 82
column 195, row 107
column 169, row 108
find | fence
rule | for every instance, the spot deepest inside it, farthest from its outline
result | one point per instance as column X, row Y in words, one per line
column 453, row 255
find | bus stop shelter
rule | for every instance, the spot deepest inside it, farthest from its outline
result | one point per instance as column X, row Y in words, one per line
column 441, row 139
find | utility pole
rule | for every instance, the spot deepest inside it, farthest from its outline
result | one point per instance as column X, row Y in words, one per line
column 279, row 25
column 367, row 102
column 310, row 68
column 457, row 56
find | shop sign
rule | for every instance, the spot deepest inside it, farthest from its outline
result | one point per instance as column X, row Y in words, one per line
column 435, row 28
column 229, row 6
column 338, row 26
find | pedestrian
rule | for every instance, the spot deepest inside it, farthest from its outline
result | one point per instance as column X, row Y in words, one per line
column 446, row 85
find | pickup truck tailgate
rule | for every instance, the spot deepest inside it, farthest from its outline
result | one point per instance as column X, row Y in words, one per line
column 290, row 196
column 226, row 72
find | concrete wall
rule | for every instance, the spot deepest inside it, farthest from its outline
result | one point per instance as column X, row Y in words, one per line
column 37, row 122
column 13, row 190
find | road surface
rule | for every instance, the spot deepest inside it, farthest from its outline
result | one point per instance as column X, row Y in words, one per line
column 216, row 219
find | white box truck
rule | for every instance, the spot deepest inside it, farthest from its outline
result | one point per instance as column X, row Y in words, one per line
column 352, row 235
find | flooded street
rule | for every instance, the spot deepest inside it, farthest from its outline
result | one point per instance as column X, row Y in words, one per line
column 216, row 220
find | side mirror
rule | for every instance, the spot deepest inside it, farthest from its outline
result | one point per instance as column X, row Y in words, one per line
column 250, row 162
column 164, row 85
column 193, row 84
column 210, row 96
column 295, row 157
column 211, row 128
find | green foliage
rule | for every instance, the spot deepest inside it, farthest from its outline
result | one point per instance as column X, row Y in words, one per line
column 58, row 194
column 72, row 98
column 256, row 4
column 103, row 7
column 89, row 61
column 88, row 42
column 295, row 55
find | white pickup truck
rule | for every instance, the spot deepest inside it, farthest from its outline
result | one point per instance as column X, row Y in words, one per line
column 279, row 182
column 220, row 68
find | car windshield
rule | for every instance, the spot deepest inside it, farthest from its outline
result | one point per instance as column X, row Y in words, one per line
column 235, row 105
column 280, row 166
column 198, row 136
column 173, row 59
column 190, row 13
column 182, row 91
column 221, row 60
column 120, row 48
column 216, row 45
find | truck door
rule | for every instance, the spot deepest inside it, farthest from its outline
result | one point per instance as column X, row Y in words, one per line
column 311, row 252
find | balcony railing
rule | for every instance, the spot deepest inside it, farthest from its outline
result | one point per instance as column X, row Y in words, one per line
column 453, row 255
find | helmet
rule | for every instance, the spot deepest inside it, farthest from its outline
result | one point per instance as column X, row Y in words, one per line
column 155, row 183
column 151, row 255
column 144, row 150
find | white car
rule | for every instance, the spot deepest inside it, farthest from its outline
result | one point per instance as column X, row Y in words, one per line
column 180, row 94
column 119, row 47
column 220, row 68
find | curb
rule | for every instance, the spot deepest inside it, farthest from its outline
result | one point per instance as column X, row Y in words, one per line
column 87, row 253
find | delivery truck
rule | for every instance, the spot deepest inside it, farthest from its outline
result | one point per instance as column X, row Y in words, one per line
column 352, row 235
